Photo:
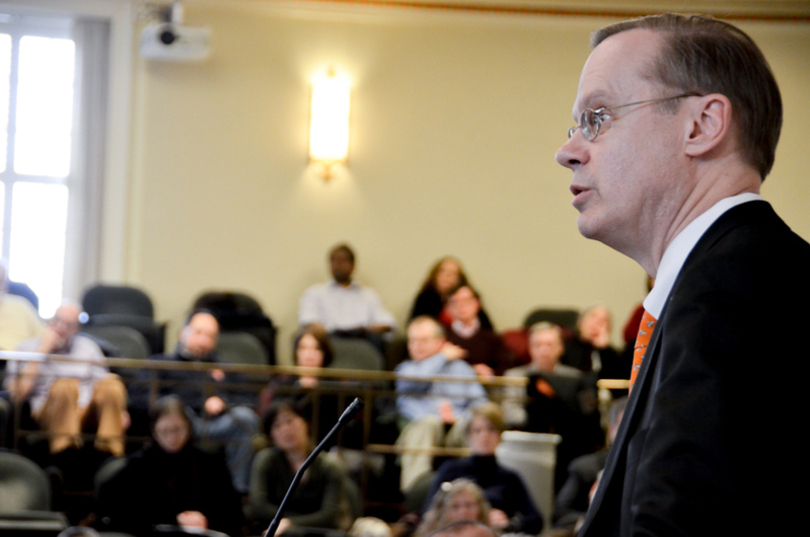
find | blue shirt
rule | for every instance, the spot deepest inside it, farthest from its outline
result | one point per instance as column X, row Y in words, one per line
column 418, row 399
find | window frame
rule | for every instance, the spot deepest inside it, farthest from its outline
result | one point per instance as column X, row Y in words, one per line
column 105, row 257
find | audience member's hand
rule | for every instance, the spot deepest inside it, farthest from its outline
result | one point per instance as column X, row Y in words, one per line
column 218, row 375
column 453, row 352
column 483, row 370
column 498, row 519
column 193, row 519
column 50, row 341
column 283, row 525
column 214, row 406
column 446, row 412
column 378, row 328
column 592, row 492
column 308, row 382
column 601, row 339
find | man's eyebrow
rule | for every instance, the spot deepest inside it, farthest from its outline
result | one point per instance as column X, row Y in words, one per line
column 589, row 100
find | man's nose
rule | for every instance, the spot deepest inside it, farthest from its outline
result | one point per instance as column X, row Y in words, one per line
column 574, row 152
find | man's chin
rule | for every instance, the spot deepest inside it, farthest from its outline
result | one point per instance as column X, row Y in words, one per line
column 586, row 227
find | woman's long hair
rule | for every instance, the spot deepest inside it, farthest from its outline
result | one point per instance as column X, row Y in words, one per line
column 437, row 516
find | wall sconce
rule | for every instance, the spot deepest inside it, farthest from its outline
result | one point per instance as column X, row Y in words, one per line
column 329, row 124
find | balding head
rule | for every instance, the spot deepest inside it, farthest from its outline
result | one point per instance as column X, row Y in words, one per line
column 199, row 335
column 65, row 322
column 425, row 338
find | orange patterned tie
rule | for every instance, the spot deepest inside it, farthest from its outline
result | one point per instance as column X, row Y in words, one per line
column 645, row 330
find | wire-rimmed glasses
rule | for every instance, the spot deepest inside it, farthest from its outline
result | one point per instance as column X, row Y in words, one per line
column 590, row 120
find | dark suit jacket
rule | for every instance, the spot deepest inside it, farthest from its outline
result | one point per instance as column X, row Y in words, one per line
column 713, row 429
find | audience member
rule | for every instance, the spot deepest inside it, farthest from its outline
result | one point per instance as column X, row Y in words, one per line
column 171, row 482
column 311, row 348
column 221, row 416
column 369, row 526
column 317, row 502
column 342, row 307
column 591, row 349
column 574, row 496
column 559, row 399
column 78, row 531
column 464, row 528
column 512, row 508
column 431, row 412
column 484, row 349
column 458, row 500
column 69, row 387
column 546, row 348
column 445, row 276
column 18, row 318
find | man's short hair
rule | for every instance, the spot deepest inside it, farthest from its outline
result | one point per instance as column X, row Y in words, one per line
column 542, row 326
column 461, row 286
column 342, row 248
column 705, row 55
column 437, row 326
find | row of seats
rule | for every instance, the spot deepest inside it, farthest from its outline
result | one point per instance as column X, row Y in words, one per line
column 123, row 316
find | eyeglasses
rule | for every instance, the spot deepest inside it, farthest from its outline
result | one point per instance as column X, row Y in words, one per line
column 591, row 120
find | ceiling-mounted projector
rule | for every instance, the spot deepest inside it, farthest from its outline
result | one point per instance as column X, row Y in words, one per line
column 169, row 42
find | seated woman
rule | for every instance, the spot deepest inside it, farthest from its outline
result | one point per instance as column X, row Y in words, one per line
column 513, row 509
column 460, row 499
column 311, row 348
column 443, row 277
column 171, row 482
column 317, row 502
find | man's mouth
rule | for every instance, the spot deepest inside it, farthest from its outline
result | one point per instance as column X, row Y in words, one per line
column 579, row 192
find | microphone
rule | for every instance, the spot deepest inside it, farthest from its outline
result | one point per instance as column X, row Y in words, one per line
column 348, row 414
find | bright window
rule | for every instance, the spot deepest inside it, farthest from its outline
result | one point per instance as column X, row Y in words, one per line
column 44, row 106
column 37, row 73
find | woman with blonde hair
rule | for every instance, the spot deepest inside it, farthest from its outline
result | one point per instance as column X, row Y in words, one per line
column 512, row 508
column 460, row 499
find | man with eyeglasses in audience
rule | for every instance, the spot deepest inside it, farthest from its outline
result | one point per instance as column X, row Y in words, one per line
column 678, row 118
column 69, row 387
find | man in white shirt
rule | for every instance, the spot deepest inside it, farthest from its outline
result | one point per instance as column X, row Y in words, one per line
column 343, row 307
column 69, row 386
column 677, row 124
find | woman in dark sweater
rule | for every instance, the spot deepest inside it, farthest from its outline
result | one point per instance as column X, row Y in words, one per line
column 171, row 482
column 512, row 507
column 317, row 500
column 445, row 276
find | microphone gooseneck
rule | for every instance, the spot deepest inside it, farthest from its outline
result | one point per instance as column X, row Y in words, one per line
column 348, row 414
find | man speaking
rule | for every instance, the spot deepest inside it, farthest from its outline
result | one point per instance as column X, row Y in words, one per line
column 677, row 124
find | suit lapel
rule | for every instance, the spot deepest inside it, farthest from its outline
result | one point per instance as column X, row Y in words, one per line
column 612, row 479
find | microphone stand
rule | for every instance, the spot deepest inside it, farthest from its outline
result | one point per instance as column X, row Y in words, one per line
column 348, row 414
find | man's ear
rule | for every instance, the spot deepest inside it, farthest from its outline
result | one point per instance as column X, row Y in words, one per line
column 709, row 124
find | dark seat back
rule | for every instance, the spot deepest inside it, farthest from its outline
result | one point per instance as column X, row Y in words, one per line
column 117, row 299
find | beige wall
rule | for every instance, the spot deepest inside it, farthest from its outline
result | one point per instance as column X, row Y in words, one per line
column 455, row 120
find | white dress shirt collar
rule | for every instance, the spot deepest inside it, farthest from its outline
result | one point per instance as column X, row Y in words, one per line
column 679, row 249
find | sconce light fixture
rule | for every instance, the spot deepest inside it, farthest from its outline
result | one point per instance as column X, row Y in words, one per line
column 329, row 124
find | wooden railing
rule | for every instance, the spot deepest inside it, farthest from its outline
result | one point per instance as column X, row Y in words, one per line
column 369, row 385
